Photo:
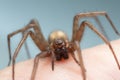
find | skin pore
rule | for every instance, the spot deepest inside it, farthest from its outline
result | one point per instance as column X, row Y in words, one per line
column 99, row 63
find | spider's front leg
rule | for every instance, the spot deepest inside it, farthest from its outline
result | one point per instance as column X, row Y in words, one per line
column 79, row 35
column 74, row 47
column 37, row 31
column 37, row 38
column 95, row 16
column 36, row 41
column 18, row 49
column 36, row 62
column 88, row 24
column 78, row 32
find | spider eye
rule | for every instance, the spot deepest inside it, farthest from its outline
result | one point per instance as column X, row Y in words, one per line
column 58, row 41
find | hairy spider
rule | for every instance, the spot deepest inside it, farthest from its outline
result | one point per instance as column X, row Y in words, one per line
column 58, row 46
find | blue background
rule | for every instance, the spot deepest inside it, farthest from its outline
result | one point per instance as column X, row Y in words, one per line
column 52, row 15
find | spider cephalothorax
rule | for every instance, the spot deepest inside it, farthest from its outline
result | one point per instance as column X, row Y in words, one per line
column 58, row 46
column 59, row 43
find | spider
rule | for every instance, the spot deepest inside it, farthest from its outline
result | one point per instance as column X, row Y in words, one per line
column 58, row 46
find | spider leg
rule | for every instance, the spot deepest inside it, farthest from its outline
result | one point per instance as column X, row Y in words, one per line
column 79, row 63
column 36, row 62
column 100, row 26
column 90, row 14
column 26, row 47
column 33, row 24
column 36, row 40
column 88, row 24
column 78, row 49
column 74, row 47
column 9, row 44
column 53, row 60
column 71, row 50
column 73, row 56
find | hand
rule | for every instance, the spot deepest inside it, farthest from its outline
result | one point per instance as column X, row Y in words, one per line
column 99, row 63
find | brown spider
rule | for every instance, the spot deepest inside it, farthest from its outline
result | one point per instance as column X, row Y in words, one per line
column 58, row 46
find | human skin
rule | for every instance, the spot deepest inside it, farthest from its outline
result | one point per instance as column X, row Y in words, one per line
column 99, row 64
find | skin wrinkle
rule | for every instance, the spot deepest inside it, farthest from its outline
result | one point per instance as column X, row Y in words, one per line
column 99, row 64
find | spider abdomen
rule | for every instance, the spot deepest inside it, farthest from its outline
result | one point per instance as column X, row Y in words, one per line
column 57, row 35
